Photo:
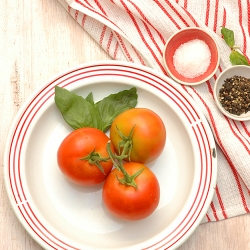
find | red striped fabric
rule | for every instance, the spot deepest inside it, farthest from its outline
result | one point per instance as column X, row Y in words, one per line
column 136, row 31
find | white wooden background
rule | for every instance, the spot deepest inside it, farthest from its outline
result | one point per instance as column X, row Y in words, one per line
column 38, row 39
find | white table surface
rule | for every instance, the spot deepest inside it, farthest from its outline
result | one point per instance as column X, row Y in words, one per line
column 38, row 39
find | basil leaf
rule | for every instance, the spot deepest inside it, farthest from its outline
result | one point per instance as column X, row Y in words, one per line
column 77, row 111
column 90, row 98
column 237, row 58
column 228, row 36
column 111, row 106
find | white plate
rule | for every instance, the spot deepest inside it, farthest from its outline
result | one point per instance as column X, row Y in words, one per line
column 60, row 215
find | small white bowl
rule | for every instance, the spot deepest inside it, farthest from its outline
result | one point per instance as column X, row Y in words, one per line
column 238, row 70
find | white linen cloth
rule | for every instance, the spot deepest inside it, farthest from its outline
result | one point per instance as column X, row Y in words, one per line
column 137, row 30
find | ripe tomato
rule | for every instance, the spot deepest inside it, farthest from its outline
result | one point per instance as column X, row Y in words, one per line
column 127, row 202
column 78, row 152
column 149, row 134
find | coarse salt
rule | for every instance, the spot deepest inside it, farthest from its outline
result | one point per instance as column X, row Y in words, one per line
column 192, row 59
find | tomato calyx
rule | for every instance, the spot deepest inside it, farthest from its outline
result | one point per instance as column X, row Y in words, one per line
column 95, row 158
column 128, row 180
column 126, row 140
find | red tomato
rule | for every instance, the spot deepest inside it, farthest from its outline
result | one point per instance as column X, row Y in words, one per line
column 79, row 144
column 127, row 202
column 149, row 135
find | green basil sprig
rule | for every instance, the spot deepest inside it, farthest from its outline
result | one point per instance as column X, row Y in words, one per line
column 236, row 58
column 81, row 112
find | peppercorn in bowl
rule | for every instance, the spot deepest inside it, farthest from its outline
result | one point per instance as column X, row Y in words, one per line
column 191, row 56
column 232, row 92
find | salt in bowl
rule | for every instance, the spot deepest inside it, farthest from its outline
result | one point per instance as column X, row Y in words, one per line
column 191, row 56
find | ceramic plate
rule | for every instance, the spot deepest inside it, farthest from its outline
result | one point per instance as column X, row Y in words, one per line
column 61, row 215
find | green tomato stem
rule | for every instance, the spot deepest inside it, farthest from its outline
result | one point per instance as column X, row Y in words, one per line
column 117, row 160
column 126, row 144
column 95, row 159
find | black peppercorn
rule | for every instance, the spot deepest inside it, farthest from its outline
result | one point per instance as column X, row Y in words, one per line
column 234, row 95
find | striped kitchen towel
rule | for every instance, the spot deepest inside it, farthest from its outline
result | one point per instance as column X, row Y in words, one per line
column 136, row 31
